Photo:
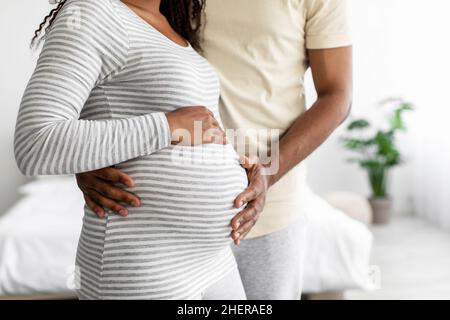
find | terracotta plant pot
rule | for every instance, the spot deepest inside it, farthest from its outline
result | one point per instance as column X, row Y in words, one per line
column 381, row 208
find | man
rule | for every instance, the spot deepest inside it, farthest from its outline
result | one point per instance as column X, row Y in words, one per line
column 261, row 49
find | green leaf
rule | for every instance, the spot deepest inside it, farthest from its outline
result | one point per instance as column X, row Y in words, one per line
column 397, row 120
column 354, row 160
column 357, row 144
column 406, row 106
column 358, row 125
column 377, row 178
column 371, row 164
column 378, row 154
column 384, row 142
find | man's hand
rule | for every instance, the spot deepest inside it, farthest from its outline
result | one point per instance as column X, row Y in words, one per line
column 255, row 198
column 99, row 191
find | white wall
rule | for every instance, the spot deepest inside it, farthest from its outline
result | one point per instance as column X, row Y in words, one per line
column 328, row 168
column 401, row 49
column 18, row 20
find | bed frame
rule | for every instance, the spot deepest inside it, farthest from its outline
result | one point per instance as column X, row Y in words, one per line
column 72, row 296
column 43, row 296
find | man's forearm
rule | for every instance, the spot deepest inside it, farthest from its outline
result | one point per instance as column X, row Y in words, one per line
column 310, row 130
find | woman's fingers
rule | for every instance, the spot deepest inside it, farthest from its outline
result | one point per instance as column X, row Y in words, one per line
column 114, row 175
column 103, row 201
column 215, row 135
column 183, row 124
column 212, row 132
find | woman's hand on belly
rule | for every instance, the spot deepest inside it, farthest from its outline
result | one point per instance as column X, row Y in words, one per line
column 195, row 126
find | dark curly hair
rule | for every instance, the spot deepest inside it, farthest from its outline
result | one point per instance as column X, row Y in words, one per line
column 184, row 16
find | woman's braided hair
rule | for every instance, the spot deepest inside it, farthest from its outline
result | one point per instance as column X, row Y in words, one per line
column 185, row 17
column 46, row 24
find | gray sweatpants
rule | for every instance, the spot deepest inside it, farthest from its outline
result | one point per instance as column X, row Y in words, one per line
column 271, row 266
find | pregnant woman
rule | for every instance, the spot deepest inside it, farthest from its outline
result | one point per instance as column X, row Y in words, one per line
column 114, row 80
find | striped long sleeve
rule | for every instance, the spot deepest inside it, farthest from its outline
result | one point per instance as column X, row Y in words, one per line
column 86, row 45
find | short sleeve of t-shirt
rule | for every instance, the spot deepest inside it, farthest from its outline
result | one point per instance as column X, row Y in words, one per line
column 326, row 24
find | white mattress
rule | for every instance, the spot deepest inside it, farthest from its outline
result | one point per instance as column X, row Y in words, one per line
column 339, row 248
column 39, row 236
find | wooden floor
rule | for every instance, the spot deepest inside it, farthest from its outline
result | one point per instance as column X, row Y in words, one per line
column 413, row 258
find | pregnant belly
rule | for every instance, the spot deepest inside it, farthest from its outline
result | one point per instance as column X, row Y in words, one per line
column 187, row 193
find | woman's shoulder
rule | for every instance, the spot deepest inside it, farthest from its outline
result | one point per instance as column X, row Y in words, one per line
column 92, row 26
column 98, row 18
column 91, row 13
column 92, row 3
column 91, row 8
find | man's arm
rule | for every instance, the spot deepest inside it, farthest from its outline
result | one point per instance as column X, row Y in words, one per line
column 332, row 73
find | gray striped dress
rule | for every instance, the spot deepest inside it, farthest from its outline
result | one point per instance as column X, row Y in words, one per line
column 97, row 98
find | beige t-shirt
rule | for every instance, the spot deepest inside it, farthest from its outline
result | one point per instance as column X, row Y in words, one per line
column 259, row 48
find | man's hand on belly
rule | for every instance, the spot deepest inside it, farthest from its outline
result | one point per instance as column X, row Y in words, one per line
column 255, row 198
column 100, row 193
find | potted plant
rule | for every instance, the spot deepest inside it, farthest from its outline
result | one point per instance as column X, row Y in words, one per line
column 376, row 152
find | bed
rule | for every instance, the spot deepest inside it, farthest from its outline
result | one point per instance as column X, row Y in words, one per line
column 39, row 235
column 38, row 239
column 339, row 245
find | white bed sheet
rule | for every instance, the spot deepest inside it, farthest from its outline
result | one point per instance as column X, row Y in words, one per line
column 338, row 250
column 39, row 236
